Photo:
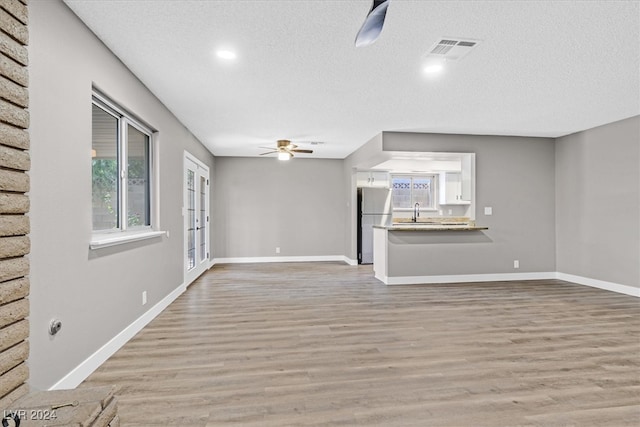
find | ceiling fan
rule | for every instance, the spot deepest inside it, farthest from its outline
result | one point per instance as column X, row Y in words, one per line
column 285, row 150
column 372, row 26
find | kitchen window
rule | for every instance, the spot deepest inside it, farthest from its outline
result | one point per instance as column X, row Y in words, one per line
column 407, row 190
column 121, row 168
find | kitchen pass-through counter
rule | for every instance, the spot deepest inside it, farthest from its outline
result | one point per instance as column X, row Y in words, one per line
column 431, row 227
column 409, row 252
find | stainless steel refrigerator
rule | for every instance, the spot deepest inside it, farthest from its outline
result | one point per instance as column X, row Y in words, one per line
column 374, row 208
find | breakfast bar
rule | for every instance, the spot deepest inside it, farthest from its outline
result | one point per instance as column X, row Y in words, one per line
column 410, row 253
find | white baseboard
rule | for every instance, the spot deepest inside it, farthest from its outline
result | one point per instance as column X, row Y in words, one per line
column 461, row 278
column 350, row 261
column 93, row 362
column 600, row 284
column 316, row 258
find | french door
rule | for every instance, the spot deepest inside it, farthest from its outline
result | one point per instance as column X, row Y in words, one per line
column 196, row 218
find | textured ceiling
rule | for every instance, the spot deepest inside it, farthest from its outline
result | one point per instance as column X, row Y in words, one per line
column 542, row 68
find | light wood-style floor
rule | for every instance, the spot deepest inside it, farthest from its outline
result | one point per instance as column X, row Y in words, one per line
column 326, row 344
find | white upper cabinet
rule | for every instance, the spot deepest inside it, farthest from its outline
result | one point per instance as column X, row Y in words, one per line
column 455, row 188
column 378, row 179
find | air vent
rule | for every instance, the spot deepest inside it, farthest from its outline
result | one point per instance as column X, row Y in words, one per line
column 443, row 46
column 452, row 49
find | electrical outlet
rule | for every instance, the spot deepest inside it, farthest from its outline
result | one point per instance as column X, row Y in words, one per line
column 54, row 327
column 450, row 211
column 144, row 297
column 516, row 263
column 278, row 250
column 488, row 210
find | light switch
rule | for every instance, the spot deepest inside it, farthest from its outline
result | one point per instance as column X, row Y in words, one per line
column 488, row 210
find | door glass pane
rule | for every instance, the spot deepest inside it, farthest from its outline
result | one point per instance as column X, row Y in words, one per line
column 191, row 220
column 104, row 169
column 203, row 218
column 138, row 200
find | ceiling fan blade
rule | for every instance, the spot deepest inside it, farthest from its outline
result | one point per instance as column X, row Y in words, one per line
column 373, row 23
column 302, row 151
column 270, row 152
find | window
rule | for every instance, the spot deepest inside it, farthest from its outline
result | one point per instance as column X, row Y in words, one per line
column 121, row 170
column 407, row 190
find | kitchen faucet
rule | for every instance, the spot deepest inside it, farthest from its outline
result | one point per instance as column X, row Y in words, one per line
column 416, row 212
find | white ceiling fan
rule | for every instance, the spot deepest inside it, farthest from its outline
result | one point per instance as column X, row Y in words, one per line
column 372, row 26
column 285, row 150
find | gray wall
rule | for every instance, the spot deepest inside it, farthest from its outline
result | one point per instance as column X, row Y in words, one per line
column 598, row 203
column 263, row 203
column 516, row 177
column 95, row 293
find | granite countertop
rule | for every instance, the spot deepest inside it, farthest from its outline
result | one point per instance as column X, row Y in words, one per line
column 432, row 224
column 431, row 227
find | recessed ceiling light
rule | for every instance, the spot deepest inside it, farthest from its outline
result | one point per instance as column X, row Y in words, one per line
column 226, row 54
column 433, row 67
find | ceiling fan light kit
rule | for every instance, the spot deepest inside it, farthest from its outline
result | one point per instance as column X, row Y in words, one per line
column 283, row 155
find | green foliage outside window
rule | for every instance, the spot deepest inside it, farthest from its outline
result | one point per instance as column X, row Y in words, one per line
column 105, row 187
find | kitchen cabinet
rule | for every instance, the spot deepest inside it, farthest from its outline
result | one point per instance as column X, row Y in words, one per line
column 373, row 179
column 455, row 188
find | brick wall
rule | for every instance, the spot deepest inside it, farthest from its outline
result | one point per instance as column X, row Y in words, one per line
column 14, row 202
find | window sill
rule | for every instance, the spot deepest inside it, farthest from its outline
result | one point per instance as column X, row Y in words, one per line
column 104, row 240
